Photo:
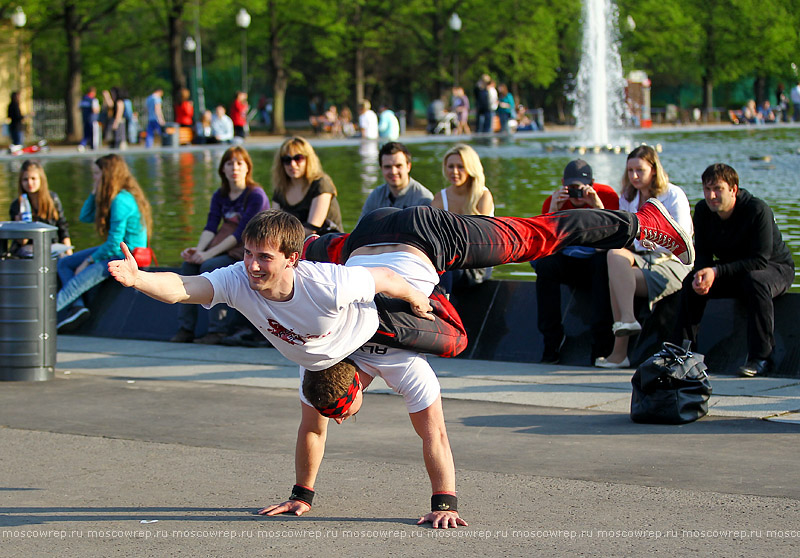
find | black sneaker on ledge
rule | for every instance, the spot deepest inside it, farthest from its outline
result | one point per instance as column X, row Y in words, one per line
column 183, row 336
column 210, row 339
column 657, row 227
column 74, row 320
column 552, row 352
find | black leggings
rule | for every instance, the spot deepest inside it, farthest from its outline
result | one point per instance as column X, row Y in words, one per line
column 454, row 241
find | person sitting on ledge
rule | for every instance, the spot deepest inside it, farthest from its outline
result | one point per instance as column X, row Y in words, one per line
column 577, row 266
column 638, row 271
column 237, row 200
column 120, row 212
column 740, row 254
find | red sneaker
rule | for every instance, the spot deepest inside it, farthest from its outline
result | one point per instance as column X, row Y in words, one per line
column 657, row 227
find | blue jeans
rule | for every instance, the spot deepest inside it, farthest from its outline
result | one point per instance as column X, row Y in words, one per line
column 220, row 317
column 504, row 118
column 73, row 286
column 153, row 127
column 485, row 122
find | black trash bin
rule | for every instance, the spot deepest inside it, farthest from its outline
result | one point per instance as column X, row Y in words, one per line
column 27, row 304
column 170, row 137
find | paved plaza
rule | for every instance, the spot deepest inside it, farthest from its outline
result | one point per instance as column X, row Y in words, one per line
column 155, row 449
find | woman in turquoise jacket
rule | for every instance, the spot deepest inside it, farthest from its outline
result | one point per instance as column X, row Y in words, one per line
column 120, row 212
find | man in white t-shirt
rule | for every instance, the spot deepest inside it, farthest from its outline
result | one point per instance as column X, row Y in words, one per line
column 405, row 372
column 367, row 120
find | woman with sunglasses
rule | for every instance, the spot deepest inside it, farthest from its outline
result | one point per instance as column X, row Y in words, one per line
column 301, row 188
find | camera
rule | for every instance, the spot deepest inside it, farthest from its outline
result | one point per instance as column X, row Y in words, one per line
column 575, row 191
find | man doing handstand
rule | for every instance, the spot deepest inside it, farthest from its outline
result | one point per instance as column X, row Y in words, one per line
column 407, row 373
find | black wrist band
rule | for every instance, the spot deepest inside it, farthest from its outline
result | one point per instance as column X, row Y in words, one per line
column 302, row 494
column 311, row 227
column 444, row 502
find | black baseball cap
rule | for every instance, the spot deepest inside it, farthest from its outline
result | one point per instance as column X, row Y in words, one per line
column 578, row 171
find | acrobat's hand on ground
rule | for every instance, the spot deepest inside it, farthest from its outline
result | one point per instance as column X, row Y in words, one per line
column 421, row 305
column 124, row 271
column 442, row 519
column 291, row 506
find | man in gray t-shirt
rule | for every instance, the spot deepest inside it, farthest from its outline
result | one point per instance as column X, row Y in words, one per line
column 399, row 190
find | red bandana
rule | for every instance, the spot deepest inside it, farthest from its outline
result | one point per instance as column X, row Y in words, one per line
column 343, row 403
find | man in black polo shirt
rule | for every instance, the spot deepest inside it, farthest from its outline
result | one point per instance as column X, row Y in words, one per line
column 739, row 254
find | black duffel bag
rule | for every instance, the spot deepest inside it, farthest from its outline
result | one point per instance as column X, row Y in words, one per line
column 670, row 387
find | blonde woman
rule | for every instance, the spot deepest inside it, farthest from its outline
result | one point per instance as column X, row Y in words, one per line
column 467, row 194
column 638, row 272
column 300, row 187
column 121, row 213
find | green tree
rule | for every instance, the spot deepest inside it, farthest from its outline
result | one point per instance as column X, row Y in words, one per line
column 77, row 19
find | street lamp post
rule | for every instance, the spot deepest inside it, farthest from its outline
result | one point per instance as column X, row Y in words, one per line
column 243, row 21
column 192, row 46
column 455, row 25
column 18, row 18
column 198, row 60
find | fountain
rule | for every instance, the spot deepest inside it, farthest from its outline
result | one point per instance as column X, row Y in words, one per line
column 599, row 96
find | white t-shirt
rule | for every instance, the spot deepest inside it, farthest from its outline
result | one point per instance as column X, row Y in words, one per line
column 368, row 122
column 330, row 315
column 677, row 204
column 405, row 372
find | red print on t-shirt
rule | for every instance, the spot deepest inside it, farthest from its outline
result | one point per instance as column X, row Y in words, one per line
column 288, row 335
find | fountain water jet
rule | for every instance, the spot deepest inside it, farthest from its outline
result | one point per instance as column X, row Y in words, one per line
column 599, row 96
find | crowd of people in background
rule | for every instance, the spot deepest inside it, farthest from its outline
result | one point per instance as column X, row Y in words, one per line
column 109, row 117
column 616, row 278
column 493, row 109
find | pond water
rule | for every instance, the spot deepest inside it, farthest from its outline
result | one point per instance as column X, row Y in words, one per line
column 521, row 172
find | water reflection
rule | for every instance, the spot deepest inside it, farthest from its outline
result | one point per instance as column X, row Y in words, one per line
column 521, row 174
column 370, row 167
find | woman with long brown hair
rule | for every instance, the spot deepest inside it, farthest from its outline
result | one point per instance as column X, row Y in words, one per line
column 121, row 213
column 237, row 200
column 300, row 187
column 637, row 271
column 44, row 205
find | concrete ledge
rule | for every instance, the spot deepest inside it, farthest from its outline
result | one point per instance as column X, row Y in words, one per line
column 500, row 318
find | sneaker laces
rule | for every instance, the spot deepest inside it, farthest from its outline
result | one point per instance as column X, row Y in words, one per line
column 652, row 238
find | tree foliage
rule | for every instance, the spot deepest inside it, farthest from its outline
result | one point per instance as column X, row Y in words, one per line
column 394, row 50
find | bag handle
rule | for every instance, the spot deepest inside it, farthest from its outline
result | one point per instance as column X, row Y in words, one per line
column 676, row 352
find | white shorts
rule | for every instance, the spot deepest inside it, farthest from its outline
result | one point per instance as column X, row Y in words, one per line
column 406, row 373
